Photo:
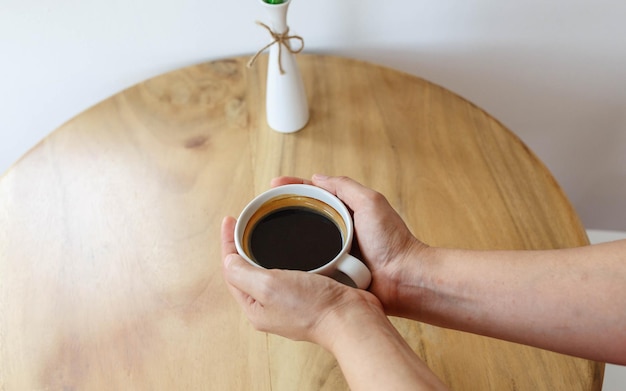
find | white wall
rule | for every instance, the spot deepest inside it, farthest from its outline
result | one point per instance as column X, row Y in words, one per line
column 553, row 72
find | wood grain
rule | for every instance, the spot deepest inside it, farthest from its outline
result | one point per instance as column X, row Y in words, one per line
column 109, row 243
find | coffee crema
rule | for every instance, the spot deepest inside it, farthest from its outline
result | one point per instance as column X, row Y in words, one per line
column 294, row 232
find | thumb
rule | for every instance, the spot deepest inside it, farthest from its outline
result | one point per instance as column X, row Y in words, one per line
column 245, row 277
column 351, row 192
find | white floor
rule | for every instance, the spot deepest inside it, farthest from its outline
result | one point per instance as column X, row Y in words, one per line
column 614, row 375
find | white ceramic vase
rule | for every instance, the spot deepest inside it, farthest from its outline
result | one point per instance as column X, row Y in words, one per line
column 286, row 103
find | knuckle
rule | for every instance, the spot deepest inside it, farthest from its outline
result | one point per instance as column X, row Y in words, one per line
column 267, row 287
column 375, row 197
column 260, row 326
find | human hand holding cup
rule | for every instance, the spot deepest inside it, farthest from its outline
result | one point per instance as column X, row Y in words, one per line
column 299, row 227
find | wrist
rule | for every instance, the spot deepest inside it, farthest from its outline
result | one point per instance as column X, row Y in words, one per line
column 412, row 281
column 344, row 324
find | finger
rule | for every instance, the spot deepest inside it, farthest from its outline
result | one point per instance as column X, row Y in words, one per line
column 235, row 267
column 248, row 279
column 230, row 250
column 228, row 237
column 351, row 192
column 242, row 298
column 288, row 180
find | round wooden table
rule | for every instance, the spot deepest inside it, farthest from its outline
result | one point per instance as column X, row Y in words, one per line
column 110, row 269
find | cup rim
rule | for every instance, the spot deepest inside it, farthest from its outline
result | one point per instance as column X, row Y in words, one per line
column 301, row 190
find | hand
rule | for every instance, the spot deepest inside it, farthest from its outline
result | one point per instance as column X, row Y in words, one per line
column 294, row 304
column 348, row 322
column 382, row 238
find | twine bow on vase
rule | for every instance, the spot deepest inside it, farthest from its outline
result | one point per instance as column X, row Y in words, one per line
column 282, row 39
column 286, row 106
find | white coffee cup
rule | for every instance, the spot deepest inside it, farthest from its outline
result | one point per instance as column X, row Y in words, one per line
column 313, row 199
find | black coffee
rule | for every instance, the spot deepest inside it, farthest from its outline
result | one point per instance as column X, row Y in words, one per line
column 295, row 238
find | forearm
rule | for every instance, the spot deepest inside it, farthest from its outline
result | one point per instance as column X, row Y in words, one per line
column 570, row 300
column 374, row 356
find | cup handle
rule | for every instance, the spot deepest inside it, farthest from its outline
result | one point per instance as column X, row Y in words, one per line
column 356, row 271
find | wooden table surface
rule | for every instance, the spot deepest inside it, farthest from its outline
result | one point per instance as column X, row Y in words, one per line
column 110, row 273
